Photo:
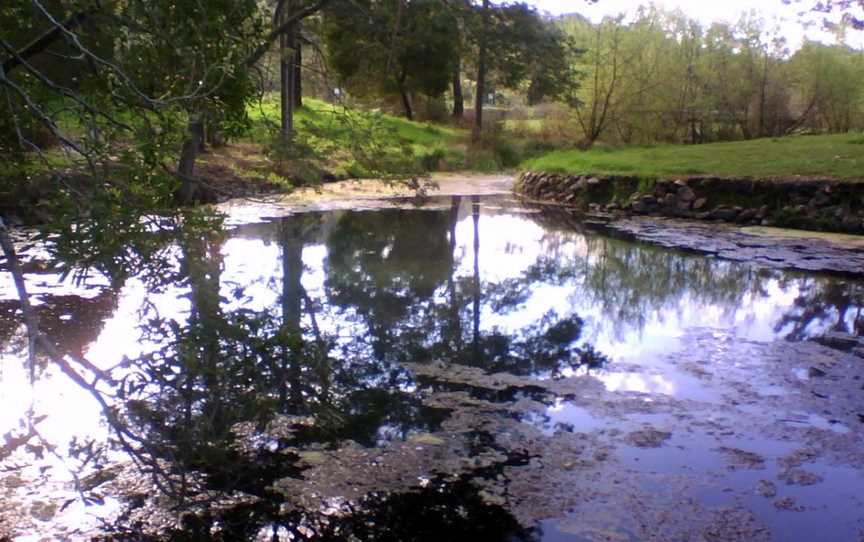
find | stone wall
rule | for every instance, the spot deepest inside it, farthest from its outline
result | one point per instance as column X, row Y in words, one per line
column 822, row 205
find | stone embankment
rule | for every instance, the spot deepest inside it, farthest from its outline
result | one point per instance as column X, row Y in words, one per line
column 820, row 205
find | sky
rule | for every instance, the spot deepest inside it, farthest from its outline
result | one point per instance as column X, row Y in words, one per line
column 708, row 11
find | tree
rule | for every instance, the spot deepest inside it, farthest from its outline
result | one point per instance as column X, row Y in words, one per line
column 394, row 49
column 288, row 16
column 605, row 63
column 517, row 48
column 830, row 80
column 482, row 59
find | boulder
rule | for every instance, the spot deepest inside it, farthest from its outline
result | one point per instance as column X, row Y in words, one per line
column 821, row 199
column 700, row 204
column 685, row 193
column 669, row 200
column 747, row 215
column 724, row 213
column 648, row 199
column 851, row 222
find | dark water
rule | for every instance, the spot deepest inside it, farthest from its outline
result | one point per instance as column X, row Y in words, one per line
column 253, row 351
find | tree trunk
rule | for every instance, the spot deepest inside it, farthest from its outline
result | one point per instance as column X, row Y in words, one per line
column 298, row 73
column 458, row 98
column 187, row 193
column 287, row 54
column 763, row 96
column 475, row 217
column 477, row 133
column 406, row 103
column 290, row 392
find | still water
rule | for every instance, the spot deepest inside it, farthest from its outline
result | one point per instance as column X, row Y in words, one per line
column 469, row 369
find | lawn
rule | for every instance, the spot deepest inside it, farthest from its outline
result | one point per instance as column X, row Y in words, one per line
column 336, row 122
column 838, row 156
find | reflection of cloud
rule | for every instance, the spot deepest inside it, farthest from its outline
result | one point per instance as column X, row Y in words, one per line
column 627, row 381
column 635, row 382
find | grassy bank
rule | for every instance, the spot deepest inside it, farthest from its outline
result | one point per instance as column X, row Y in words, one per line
column 838, row 156
column 343, row 137
column 334, row 131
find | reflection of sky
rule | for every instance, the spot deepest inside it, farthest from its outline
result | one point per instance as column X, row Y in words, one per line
column 509, row 245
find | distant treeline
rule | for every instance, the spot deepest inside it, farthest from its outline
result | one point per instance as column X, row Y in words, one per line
column 662, row 77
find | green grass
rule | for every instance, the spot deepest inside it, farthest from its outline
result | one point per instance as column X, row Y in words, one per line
column 838, row 156
column 333, row 130
column 334, row 120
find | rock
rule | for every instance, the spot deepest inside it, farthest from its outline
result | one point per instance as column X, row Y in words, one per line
column 639, row 208
column 742, row 459
column 821, row 199
column 581, row 184
column 43, row 511
column 788, row 504
column 663, row 186
column 593, row 181
column 766, row 488
column 851, row 222
column 747, row 215
column 685, row 193
column 700, row 204
column 669, row 200
column 859, row 352
column 427, row 439
column 815, row 372
column 648, row 438
column 838, row 341
column 724, row 213
column 648, row 199
column 800, row 477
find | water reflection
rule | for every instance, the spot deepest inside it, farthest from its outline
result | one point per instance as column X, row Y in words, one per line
column 268, row 344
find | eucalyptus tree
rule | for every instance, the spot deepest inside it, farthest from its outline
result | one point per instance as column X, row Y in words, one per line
column 287, row 18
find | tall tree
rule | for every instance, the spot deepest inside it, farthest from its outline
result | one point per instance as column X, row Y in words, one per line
column 395, row 49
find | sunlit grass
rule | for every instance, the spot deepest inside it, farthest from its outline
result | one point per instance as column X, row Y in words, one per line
column 839, row 156
column 333, row 120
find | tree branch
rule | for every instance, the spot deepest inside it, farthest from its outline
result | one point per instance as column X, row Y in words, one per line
column 287, row 24
column 44, row 41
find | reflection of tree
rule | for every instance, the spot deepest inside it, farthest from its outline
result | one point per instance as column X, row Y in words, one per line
column 442, row 510
column 230, row 399
column 628, row 282
column 436, row 315
column 219, row 370
column 72, row 322
column 821, row 303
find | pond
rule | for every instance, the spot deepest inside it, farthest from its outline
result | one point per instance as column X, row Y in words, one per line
column 469, row 368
